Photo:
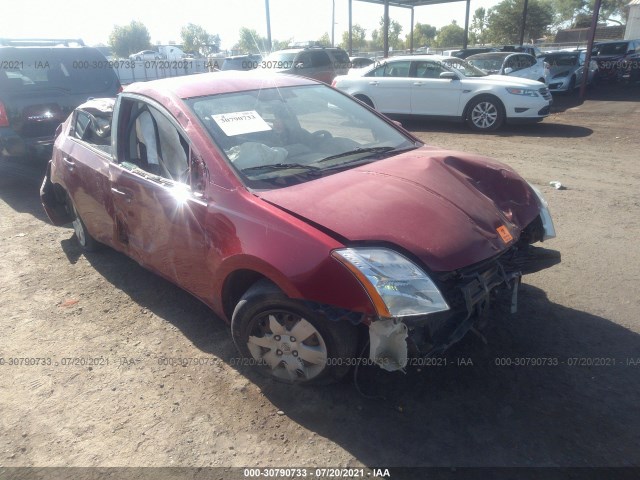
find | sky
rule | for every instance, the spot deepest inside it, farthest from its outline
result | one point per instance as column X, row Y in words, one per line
column 300, row 20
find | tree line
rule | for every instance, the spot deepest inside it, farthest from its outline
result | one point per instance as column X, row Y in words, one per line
column 498, row 25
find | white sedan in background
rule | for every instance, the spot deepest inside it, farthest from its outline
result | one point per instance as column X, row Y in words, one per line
column 447, row 88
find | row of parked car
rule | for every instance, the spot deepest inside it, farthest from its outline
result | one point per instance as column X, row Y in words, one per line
column 485, row 90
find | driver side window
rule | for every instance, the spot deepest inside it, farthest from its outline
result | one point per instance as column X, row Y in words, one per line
column 155, row 144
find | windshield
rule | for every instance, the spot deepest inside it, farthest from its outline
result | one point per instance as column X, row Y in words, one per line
column 464, row 68
column 488, row 63
column 562, row 59
column 277, row 137
column 611, row 49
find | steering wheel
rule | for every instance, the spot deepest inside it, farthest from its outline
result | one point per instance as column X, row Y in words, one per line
column 321, row 135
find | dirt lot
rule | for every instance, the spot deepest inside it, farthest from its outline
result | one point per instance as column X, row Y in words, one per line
column 57, row 303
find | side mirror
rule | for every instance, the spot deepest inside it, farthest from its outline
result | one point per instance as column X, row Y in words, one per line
column 449, row 76
column 199, row 175
column 508, row 70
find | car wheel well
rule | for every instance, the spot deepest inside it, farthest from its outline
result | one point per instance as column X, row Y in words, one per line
column 364, row 99
column 236, row 285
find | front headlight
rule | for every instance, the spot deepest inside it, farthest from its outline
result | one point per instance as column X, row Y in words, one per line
column 545, row 215
column 526, row 92
column 397, row 286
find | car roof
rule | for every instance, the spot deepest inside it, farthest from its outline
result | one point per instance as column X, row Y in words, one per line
column 421, row 57
column 502, row 55
column 203, row 84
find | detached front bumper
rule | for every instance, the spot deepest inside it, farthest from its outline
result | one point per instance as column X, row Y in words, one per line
column 470, row 292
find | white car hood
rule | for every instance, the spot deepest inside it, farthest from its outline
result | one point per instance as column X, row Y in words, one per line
column 508, row 81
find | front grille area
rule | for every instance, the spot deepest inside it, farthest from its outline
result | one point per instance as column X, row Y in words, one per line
column 544, row 93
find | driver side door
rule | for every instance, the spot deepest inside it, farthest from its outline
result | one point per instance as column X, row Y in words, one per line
column 159, row 208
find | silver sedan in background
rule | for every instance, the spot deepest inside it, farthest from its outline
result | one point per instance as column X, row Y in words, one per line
column 567, row 70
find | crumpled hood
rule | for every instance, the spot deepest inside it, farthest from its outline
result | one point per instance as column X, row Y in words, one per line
column 444, row 207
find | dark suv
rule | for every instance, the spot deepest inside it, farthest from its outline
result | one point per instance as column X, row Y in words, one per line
column 618, row 60
column 41, row 82
column 319, row 63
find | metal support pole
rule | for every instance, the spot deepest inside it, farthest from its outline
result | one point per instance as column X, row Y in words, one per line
column 466, row 26
column 266, row 4
column 386, row 29
column 350, row 28
column 411, row 33
column 333, row 24
column 524, row 21
column 587, row 58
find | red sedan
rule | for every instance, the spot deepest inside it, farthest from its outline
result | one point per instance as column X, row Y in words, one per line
column 317, row 227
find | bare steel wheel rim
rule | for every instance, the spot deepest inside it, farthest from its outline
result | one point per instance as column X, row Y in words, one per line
column 77, row 228
column 289, row 345
column 484, row 115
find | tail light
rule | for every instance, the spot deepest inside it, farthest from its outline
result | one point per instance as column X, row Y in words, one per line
column 4, row 118
column 333, row 84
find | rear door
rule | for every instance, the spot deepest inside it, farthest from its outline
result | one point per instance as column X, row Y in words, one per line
column 160, row 212
column 86, row 159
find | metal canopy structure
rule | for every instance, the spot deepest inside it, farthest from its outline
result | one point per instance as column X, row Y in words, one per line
column 411, row 4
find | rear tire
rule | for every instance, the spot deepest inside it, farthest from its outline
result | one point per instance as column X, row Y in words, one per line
column 366, row 100
column 84, row 238
column 288, row 341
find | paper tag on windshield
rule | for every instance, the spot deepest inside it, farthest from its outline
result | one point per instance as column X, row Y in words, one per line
column 237, row 123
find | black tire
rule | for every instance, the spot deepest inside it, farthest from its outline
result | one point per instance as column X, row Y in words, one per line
column 485, row 114
column 328, row 345
column 366, row 100
column 572, row 85
column 83, row 237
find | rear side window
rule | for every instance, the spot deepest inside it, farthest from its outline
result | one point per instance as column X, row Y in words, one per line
column 392, row 69
column 320, row 59
column 73, row 70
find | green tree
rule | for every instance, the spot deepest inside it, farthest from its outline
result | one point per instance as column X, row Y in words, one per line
column 129, row 39
column 478, row 27
column 423, row 35
column 324, row 40
column 505, row 19
column 451, row 35
column 251, row 42
column 359, row 38
column 196, row 39
column 377, row 36
column 575, row 13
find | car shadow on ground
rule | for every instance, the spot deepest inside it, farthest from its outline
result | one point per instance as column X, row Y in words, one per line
column 541, row 129
column 573, row 402
column 21, row 180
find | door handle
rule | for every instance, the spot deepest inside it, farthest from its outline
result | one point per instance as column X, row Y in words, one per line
column 373, row 83
column 71, row 165
column 417, row 84
column 127, row 196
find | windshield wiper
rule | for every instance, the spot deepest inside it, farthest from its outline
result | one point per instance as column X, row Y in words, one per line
column 281, row 166
column 356, row 151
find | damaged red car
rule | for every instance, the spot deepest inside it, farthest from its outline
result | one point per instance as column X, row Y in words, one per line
column 319, row 229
